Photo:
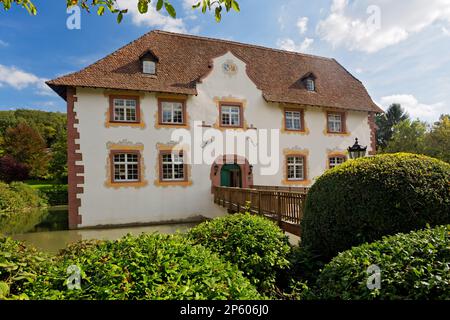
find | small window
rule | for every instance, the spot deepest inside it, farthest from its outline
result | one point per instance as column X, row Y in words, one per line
column 293, row 120
column 172, row 167
column 296, row 168
column 125, row 167
column 149, row 67
column 335, row 122
column 310, row 84
column 230, row 116
column 335, row 161
column 125, row 110
column 172, row 112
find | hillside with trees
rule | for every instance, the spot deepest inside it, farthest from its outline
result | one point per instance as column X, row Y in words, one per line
column 32, row 145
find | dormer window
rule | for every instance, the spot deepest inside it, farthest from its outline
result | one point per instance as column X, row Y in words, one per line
column 310, row 84
column 148, row 63
column 309, row 80
column 148, row 67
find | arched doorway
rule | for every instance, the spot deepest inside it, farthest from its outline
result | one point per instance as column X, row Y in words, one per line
column 232, row 171
column 231, row 176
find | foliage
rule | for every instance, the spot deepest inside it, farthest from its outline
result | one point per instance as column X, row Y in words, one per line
column 20, row 207
column 145, row 267
column 255, row 244
column 305, row 264
column 413, row 266
column 143, row 6
column 11, row 170
column 50, row 125
column 407, row 136
column 437, row 141
column 386, row 122
column 26, row 146
column 365, row 199
column 18, row 197
column 55, row 194
column 19, row 268
column 58, row 163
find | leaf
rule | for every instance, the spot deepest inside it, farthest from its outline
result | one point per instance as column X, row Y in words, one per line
column 142, row 6
column 235, row 6
column 4, row 289
column 119, row 17
column 100, row 10
column 170, row 9
column 159, row 5
column 195, row 6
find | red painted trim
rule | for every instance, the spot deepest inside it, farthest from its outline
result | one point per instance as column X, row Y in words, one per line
column 73, row 155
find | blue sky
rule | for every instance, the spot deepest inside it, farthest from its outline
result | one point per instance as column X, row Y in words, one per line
column 398, row 49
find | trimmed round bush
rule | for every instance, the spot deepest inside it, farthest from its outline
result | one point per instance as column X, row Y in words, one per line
column 255, row 244
column 412, row 266
column 145, row 267
column 365, row 199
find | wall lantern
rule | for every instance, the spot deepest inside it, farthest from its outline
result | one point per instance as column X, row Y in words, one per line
column 216, row 168
column 250, row 171
column 357, row 151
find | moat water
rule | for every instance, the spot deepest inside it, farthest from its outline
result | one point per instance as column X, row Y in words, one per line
column 52, row 233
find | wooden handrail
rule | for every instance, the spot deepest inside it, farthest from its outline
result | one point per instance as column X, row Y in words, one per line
column 283, row 206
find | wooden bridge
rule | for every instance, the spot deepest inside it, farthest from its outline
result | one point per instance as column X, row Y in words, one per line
column 281, row 204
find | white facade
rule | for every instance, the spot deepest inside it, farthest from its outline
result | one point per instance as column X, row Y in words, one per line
column 103, row 204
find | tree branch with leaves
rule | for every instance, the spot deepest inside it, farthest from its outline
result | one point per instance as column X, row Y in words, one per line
column 100, row 6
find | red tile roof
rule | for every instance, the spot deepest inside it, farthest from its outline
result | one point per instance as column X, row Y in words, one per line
column 184, row 59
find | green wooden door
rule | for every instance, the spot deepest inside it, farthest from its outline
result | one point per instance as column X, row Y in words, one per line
column 230, row 176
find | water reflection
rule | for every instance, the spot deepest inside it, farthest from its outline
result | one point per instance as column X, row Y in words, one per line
column 50, row 233
column 53, row 241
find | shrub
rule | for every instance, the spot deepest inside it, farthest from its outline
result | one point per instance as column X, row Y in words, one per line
column 365, row 199
column 413, row 266
column 145, row 267
column 19, row 267
column 11, row 170
column 255, row 244
column 20, row 207
column 55, row 194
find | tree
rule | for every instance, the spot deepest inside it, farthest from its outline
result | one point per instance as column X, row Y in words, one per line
column 437, row 141
column 386, row 122
column 407, row 136
column 58, row 164
column 112, row 6
column 11, row 170
column 26, row 146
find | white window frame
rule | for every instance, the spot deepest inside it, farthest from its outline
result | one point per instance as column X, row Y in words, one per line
column 310, row 84
column 175, row 160
column 230, row 110
column 149, row 67
column 335, row 120
column 298, row 162
column 292, row 116
column 335, row 161
column 125, row 107
column 127, row 163
column 171, row 105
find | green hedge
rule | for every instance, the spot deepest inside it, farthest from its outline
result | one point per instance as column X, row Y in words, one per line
column 255, row 244
column 365, row 199
column 413, row 266
column 19, row 267
column 55, row 194
column 145, row 267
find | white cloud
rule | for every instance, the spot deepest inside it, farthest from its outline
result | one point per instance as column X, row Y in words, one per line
column 19, row 79
column 3, row 43
column 153, row 18
column 416, row 109
column 290, row 45
column 353, row 26
column 302, row 24
column 445, row 31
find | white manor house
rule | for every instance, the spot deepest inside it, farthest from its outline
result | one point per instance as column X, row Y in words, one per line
column 123, row 110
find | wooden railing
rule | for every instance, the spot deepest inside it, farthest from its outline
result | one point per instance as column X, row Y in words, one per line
column 285, row 207
column 278, row 188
